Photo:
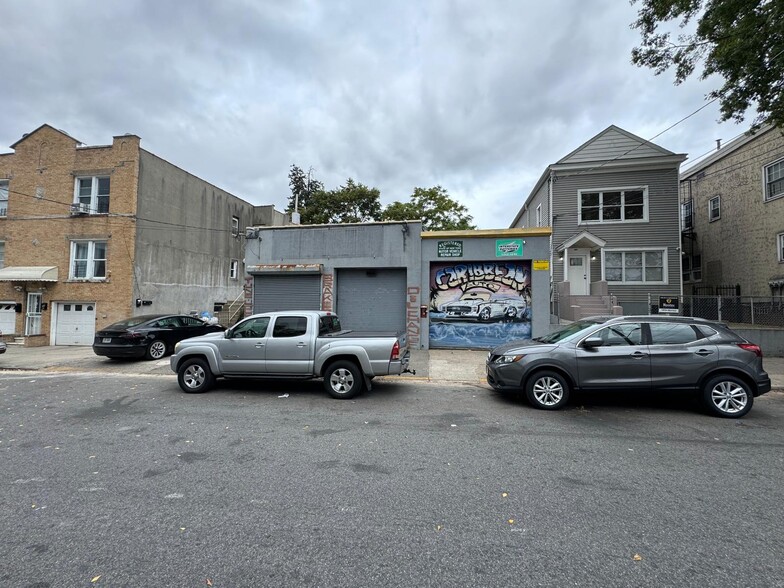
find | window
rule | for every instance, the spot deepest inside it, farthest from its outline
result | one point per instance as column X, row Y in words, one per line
column 329, row 324
column 2, row 254
column 613, row 206
column 692, row 268
column 88, row 260
column 687, row 218
column 234, row 269
column 774, row 180
column 252, row 328
column 714, row 209
column 780, row 239
column 235, row 226
column 191, row 321
column 290, row 326
column 93, row 194
column 3, row 198
column 618, row 335
column 635, row 266
column 673, row 334
column 539, row 216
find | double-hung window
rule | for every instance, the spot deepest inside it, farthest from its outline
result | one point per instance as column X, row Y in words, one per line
column 636, row 266
column 92, row 194
column 3, row 198
column 235, row 226
column 616, row 205
column 774, row 180
column 234, row 269
column 539, row 216
column 88, row 260
column 2, row 254
column 687, row 215
column 714, row 209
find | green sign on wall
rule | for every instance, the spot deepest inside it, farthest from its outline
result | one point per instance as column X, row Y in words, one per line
column 450, row 249
column 509, row 247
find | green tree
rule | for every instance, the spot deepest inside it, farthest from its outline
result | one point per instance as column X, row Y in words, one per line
column 740, row 40
column 434, row 207
column 351, row 203
column 303, row 188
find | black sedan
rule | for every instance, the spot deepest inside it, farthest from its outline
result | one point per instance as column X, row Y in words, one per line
column 150, row 336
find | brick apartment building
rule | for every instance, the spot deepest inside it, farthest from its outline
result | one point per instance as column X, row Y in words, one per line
column 93, row 234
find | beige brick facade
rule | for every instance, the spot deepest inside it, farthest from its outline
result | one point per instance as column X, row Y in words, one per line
column 740, row 247
column 170, row 236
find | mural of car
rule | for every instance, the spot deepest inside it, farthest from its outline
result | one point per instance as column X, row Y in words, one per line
column 480, row 306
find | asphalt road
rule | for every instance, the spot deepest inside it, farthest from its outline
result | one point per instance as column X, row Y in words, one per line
column 110, row 481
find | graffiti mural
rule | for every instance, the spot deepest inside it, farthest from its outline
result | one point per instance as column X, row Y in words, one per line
column 479, row 304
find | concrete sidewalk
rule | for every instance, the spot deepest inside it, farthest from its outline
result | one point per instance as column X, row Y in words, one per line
column 437, row 365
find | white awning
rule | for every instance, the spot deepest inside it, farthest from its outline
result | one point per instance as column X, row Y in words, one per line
column 28, row 274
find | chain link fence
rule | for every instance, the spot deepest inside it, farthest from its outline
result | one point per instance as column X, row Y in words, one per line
column 753, row 310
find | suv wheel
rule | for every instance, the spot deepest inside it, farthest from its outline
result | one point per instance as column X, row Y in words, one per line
column 194, row 376
column 547, row 390
column 156, row 349
column 343, row 379
column 727, row 396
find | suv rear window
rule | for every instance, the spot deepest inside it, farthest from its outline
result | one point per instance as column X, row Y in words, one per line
column 673, row 334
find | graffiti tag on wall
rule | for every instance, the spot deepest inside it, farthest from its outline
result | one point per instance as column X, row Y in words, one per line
column 327, row 296
column 480, row 304
column 412, row 316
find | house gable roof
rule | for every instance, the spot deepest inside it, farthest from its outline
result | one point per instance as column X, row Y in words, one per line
column 614, row 143
column 30, row 134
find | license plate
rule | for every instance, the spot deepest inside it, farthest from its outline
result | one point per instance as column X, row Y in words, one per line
column 107, row 340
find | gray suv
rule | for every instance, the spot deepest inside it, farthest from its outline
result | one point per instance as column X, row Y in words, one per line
column 634, row 352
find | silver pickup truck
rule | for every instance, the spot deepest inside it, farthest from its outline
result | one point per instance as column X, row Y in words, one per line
column 291, row 344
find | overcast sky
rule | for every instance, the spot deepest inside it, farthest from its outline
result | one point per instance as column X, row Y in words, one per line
column 477, row 97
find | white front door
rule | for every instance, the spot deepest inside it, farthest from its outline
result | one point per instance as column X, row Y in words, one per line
column 33, row 315
column 577, row 274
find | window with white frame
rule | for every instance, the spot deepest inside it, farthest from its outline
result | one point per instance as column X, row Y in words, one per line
column 635, row 266
column 3, row 198
column 692, row 268
column 774, row 180
column 615, row 205
column 687, row 216
column 88, row 260
column 539, row 216
column 714, row 208
column 92, row 194
column 235, row 226
column 780, row 241
column 234, row 269
column 2, row 254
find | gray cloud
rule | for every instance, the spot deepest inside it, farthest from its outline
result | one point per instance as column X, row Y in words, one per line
column 476, row 97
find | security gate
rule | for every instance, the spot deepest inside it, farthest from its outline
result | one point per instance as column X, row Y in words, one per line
column 371, row 299
column 286, row 292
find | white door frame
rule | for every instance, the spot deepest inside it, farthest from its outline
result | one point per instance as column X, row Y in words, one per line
column 33, row 326
column 586, row 255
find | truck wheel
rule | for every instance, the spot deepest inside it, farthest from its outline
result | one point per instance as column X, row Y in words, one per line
column 194, row 376
column 343, row 379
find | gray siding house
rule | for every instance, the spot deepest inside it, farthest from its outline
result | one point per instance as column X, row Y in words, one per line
column 733, row 218
column 613, row 207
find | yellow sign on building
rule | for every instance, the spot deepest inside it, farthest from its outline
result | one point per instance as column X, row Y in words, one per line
column 542, row 264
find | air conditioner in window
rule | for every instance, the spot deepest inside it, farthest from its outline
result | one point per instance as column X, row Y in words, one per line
column 80, row 208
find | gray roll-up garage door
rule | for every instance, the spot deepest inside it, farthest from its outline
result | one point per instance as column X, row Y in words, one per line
column 287, row 292
column 371, row 300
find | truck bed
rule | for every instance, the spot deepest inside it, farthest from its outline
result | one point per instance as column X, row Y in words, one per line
column 361, row 334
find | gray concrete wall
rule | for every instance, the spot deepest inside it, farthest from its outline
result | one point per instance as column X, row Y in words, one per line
column 184, row 241
column 480, row 246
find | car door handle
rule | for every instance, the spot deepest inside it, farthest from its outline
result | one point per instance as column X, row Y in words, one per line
column 703, row 352
column 300, row 344
column 259, row 345
column 639, row 355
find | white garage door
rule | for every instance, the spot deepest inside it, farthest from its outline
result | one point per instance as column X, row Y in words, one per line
column 75, row 323
column 7, row 318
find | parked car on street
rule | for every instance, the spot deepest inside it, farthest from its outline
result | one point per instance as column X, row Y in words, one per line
column 291, row 345
column 634, row 353
column 150, row 336
column 3, row 346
